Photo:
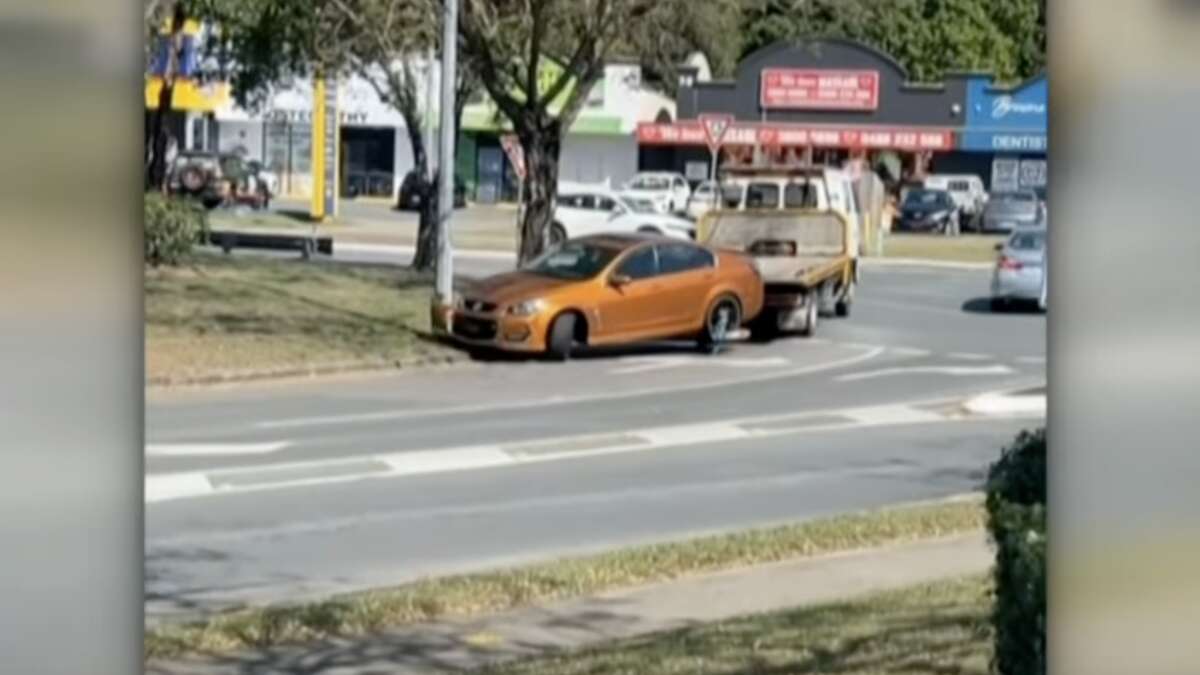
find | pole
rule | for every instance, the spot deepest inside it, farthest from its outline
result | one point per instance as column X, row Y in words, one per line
column 428, row 117
column 445, row 259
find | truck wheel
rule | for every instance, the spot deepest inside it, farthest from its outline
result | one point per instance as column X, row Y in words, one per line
column 842, row 308
column 722, row 318
column 562, row 338
column 826, row 303
column 810, row 321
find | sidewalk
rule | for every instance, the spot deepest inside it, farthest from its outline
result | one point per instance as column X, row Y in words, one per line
column 452, row 645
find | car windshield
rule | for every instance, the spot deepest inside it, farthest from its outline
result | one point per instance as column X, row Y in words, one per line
column 925, row 198
column 1027, row 241
column 575, row 260
column 637, row 205
column 650, row 183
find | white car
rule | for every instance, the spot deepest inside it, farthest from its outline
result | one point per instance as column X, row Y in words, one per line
column 668, row 192
column 1020, row 273
column 703, row 199
column 966, row 189
column 583, row 211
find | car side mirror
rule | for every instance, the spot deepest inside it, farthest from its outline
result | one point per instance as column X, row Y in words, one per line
column 619, row 280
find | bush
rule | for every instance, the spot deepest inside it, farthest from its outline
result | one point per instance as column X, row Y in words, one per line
column 172, row 227
column 1016, row 506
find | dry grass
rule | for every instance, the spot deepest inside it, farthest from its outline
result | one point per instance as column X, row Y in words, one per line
column 222, row 315
column 973, row 248
column 933, row 628
column 475, row 594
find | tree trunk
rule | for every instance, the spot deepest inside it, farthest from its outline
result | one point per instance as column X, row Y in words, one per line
column 156, row 173
column 541, row 187
column 425, row 254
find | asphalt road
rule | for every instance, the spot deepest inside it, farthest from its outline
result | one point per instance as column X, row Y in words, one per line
column 283, row 491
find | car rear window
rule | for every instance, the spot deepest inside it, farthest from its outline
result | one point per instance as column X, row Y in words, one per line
column 1028, row 241
column 800, row 196
column 762, row 196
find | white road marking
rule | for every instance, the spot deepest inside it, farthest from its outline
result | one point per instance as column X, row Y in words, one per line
column 561, row 400
column 163, row 487
column 968, row 356
column 910, row 351
column 957, row 371
column 213, row 449
column 920, row 262
column 1031, row 359
column 1003, row 405
column 650, row 363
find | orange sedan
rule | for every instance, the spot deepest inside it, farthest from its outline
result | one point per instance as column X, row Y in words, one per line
column 611, row 289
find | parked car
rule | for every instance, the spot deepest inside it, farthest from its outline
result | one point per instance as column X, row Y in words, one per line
column 581, row 211
column 216, row 179
column 1007, row 211
column 669, row 192
column 1020, row 273
column 610, row 289
column 409, row 199
column 925, row 210
column 704, row 199
column 966, row 189
column 268, row 178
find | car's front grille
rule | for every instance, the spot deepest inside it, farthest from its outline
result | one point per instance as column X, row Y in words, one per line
column 474, row 329
column 478, row 306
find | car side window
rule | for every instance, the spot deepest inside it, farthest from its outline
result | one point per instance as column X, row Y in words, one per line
column 587, row 201
column 568, row 201
column 676, row 258
column 762, row 196
column 800, row 196
column 641, row 264
column 606, row 204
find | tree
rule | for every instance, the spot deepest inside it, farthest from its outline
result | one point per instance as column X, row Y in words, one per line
column 156, row 147
column 513, row 42
column 377, row 40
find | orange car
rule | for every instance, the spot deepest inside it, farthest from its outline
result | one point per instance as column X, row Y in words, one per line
column 611, row 289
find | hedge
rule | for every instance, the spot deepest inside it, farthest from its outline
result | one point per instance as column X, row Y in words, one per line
column 1016, row 506
column 172, row 227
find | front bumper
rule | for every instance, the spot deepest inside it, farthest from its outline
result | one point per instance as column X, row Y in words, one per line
column 919, row 224
column 493, row 331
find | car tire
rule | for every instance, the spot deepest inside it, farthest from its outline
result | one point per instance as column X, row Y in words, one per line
column 561, row 340
column 649, row 229
column 826, row 303
column 842, row 308
column 810, row 325
column 723, row 317
column 558, row 234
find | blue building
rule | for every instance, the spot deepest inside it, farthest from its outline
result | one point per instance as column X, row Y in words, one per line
column 1003, row 139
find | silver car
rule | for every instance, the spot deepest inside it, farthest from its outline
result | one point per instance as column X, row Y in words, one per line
column 1007, row 211
column 1021, row 269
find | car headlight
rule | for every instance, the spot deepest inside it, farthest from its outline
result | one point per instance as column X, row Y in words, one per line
column 527, row 307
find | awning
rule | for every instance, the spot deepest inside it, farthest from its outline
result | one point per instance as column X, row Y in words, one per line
column 770, row 134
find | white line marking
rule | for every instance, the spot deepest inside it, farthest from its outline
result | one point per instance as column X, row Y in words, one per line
column 968, row 356
column 651, row 363
column 996, row 369
column 560, row 400
column 910, row 351
column 919, row 262
column 213, row 449
column 164, row 487
column 161, row 487
column 1031, row 359
column 1001, row 405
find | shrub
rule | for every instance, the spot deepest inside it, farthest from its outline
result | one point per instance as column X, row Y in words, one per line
column 172, row 227
column 1016, row 506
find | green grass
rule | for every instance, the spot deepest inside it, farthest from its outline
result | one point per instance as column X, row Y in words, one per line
column 475, row 594
column 972, row 248
column 222, row 315
column 934, row 628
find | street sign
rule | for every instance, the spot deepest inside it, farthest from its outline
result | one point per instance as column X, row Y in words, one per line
column 715, row 127
column 516, row 153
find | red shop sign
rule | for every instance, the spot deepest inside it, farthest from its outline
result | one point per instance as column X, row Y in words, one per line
column 781, row 134
column 800, row 89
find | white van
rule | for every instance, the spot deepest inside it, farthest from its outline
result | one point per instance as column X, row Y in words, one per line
column 820, row 188
column 966, row 189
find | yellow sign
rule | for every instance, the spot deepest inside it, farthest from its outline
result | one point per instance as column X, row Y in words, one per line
column 189, row 95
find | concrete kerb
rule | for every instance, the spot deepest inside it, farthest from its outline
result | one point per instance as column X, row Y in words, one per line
column 299, row 372
column 921, row 262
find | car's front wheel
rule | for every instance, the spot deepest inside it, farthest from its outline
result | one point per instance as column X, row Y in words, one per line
column 558, row 234
column 561, row 340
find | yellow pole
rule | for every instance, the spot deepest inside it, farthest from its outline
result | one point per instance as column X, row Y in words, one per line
column 317, row 163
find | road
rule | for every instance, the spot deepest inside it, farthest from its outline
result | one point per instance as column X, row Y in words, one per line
column 287, row 491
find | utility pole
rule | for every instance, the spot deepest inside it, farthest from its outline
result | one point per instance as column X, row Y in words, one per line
column 445, row 258
column 428, row 116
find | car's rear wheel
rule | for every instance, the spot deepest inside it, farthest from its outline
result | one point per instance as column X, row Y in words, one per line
column 810, row 322
column 724, row 316
column 558, row 234
column 561, row 340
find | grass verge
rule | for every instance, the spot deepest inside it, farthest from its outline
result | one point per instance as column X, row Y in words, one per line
column 491, row 592
column 970, row 248
column 222, row 315
column 933, row 628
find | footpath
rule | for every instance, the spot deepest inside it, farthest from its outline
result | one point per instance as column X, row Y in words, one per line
column 463, row 644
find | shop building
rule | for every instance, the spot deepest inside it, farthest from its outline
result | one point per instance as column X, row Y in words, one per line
column 375, row 153
column 1004, row 138
column 825, row 101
